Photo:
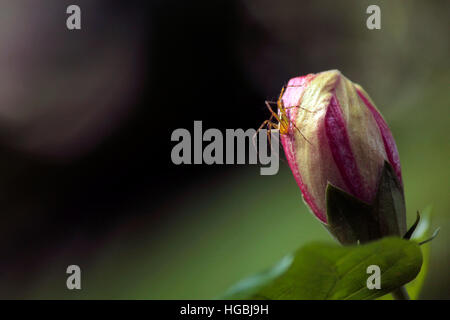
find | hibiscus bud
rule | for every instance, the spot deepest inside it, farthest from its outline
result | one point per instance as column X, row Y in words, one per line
column 338, row 137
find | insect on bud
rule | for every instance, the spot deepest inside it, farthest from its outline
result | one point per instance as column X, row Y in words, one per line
column 343, row 157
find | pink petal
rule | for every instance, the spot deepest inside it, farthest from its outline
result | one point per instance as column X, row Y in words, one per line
column 388, row 139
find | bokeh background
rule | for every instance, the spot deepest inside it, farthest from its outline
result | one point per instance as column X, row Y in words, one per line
column 86, row 118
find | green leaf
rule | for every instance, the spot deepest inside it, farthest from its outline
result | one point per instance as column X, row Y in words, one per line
column 421, row 233
column 250, row 286
column 329, row 271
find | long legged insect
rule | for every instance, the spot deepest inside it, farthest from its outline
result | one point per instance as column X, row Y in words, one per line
column 282, row 118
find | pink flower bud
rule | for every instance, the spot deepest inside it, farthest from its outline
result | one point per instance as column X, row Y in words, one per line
column 344, row 140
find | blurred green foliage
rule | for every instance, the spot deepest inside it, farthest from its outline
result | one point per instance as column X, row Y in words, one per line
column 231, row 226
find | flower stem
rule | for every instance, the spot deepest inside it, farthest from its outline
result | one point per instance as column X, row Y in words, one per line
column 400, row 294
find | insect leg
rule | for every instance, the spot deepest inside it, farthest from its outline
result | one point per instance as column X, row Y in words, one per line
column 272, row 112
column 300, row 108
column 266, row 123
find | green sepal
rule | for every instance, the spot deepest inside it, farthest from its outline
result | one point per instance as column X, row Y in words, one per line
column 351, row 220
column 434, row 235
column 389, row 204
column 348, row 218
column 411, row 230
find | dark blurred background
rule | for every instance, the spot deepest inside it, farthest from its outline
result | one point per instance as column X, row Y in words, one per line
column 86, row 118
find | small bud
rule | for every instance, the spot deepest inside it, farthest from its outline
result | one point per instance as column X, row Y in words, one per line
column 338, row 137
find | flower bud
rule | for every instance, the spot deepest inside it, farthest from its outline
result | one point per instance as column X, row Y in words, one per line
column 336, row 136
